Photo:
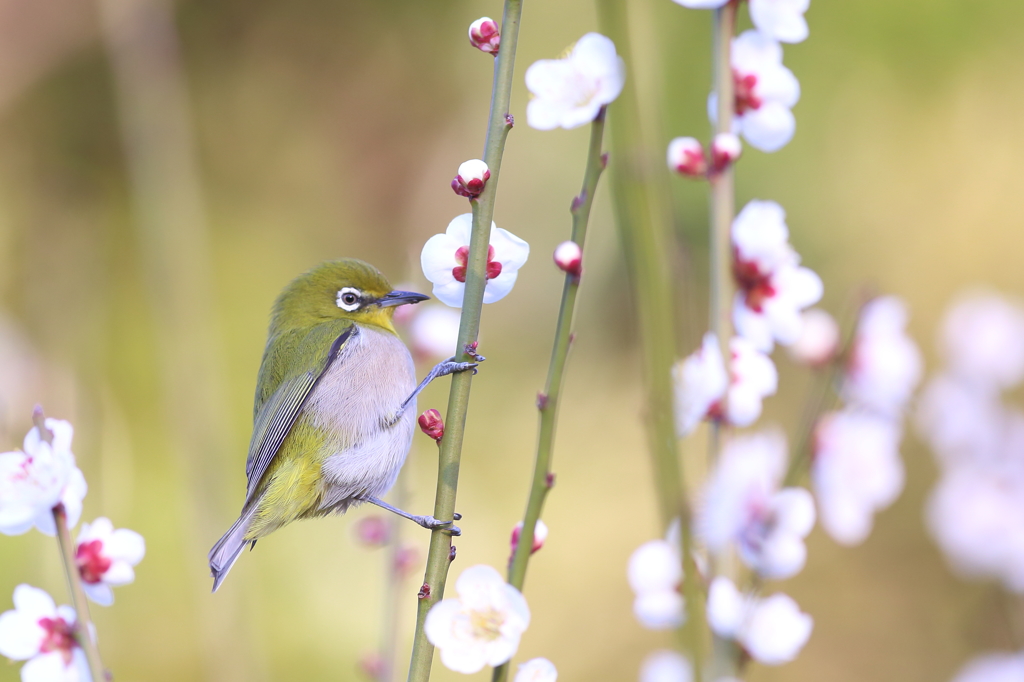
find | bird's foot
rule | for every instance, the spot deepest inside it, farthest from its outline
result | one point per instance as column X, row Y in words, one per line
column 470, row 350
column 430, row 523
column 450, row 366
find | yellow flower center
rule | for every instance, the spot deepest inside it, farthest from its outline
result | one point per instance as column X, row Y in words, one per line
column 487, row 624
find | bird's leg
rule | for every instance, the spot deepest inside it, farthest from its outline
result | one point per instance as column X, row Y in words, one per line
column 428, row 522
column 449, row 366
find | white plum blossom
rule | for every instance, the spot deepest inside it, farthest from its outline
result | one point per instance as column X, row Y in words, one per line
column 764, row 91
column 106, row 557
column 743, row 505
column 44, row 634
column 885, row 364
column 963, row 422
column 482, row 626
column 655, row 573
column 434, row 331
column 773, row 287
column 819, row 339
column 537, row 670
column 666, row 666
column 993, row 668
column 444, row 259
column 570, row 92
column 782, row 20
column 37, row 478
column 700, row 384
column 772, row 630
column 982, row 340
column 856, row 471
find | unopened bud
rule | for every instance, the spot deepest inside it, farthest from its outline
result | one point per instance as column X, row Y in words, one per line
column 406, row 560
column 569, row 258
column 431, row 424
column 373, row 531
column 472, row 178
column 372, row 666
column 818, row 342
column 484, row 35
column 540, row 534
column 686, row 157
column 725, row 149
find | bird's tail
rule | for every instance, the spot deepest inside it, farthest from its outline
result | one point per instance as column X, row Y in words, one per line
column 227, row 550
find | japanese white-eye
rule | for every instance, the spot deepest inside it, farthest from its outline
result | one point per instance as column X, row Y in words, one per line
column 335, row 405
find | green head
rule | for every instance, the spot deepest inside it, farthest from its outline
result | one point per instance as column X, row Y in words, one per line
column 342, row 289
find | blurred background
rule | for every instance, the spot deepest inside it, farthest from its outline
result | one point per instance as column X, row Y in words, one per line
column 166, row 169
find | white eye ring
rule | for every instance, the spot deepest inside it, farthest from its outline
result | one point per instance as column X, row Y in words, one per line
column 348, row 298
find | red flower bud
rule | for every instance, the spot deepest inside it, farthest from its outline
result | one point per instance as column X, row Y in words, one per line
column 472, row 179
column 569, row 258
column 686, row 157
column 432, row 424
column 540, row 534
column 484, row 35
column 725, row 149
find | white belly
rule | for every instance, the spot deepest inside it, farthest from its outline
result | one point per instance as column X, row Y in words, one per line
column 356, row 399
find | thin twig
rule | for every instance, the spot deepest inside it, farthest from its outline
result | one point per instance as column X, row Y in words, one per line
column 83, row 623
column 439, row 556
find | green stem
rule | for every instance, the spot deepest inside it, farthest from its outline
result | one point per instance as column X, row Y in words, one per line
column 547, row 402
column 440, row 553
column 83, row 623
column 724, row 657
column 640, row 211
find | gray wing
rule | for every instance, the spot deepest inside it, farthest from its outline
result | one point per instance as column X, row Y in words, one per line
column 277, row 415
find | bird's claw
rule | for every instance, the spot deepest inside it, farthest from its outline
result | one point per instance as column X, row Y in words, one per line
column 457, row 516
column 430, row 523
column 470, row 350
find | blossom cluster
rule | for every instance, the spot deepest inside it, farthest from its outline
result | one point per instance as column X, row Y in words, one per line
column 41, row 486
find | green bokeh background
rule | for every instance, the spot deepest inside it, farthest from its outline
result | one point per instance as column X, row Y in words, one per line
column 332, row 128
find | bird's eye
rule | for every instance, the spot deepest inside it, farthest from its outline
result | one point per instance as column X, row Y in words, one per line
column 348, row 298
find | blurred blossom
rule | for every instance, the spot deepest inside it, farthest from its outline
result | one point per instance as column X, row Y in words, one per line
column 666, row 666
column 537, row 670
column 686, row 157
column 772, row 630
column 540, row 535
column 702, row 4
column 39, row 631
column 569, row 258
column 885, row 364
column 484, row 35
column 655, row 573
column 743, row 504
column 765, row 91
column 569, row 92
column 373, row 531
column 961, row 421
column 856, row 471
column 472, row 178
column 444, row 259
column 993, row 668
column 782, row 20
column 39, row 477
column 407, row 559
column 819, row 339
column 106, row 557
column 773, row 288
column 434, row 331
column 372, row 665
column 482, row 626
column 726, row 148
column 983, row 340
column 699, row 383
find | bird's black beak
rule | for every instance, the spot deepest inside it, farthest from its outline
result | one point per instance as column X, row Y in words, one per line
column 400, row 298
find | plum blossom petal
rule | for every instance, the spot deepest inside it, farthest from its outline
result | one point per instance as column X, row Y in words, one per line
column 666, row 666
column 43, row 634
column 434, row 331
column 39, row 477
column 537, row 670
column 782, row 20
column 444, row 258
column 856, row 471
column 961, row 421
column 569, row 92
column 982, row 340
column 655, row 573
column 753, row 377
column 701, row 4
column 772, row 630
column 818, row 342
column 482, row 626
column 885, row 364
column 999, row 667
column 106, row 557
column 700, row 381
column 727, row 608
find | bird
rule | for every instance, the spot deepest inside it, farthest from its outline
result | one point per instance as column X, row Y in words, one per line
column 333, row 418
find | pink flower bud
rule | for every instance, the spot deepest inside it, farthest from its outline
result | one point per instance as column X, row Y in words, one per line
column 569, row 258
column 686, row 157
column 432, row 424
column 407, row 559
column 373, row 531
column 725, row 149
column 472, row 178
column 540, row 534
column 484, row 35
column 373, row 666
